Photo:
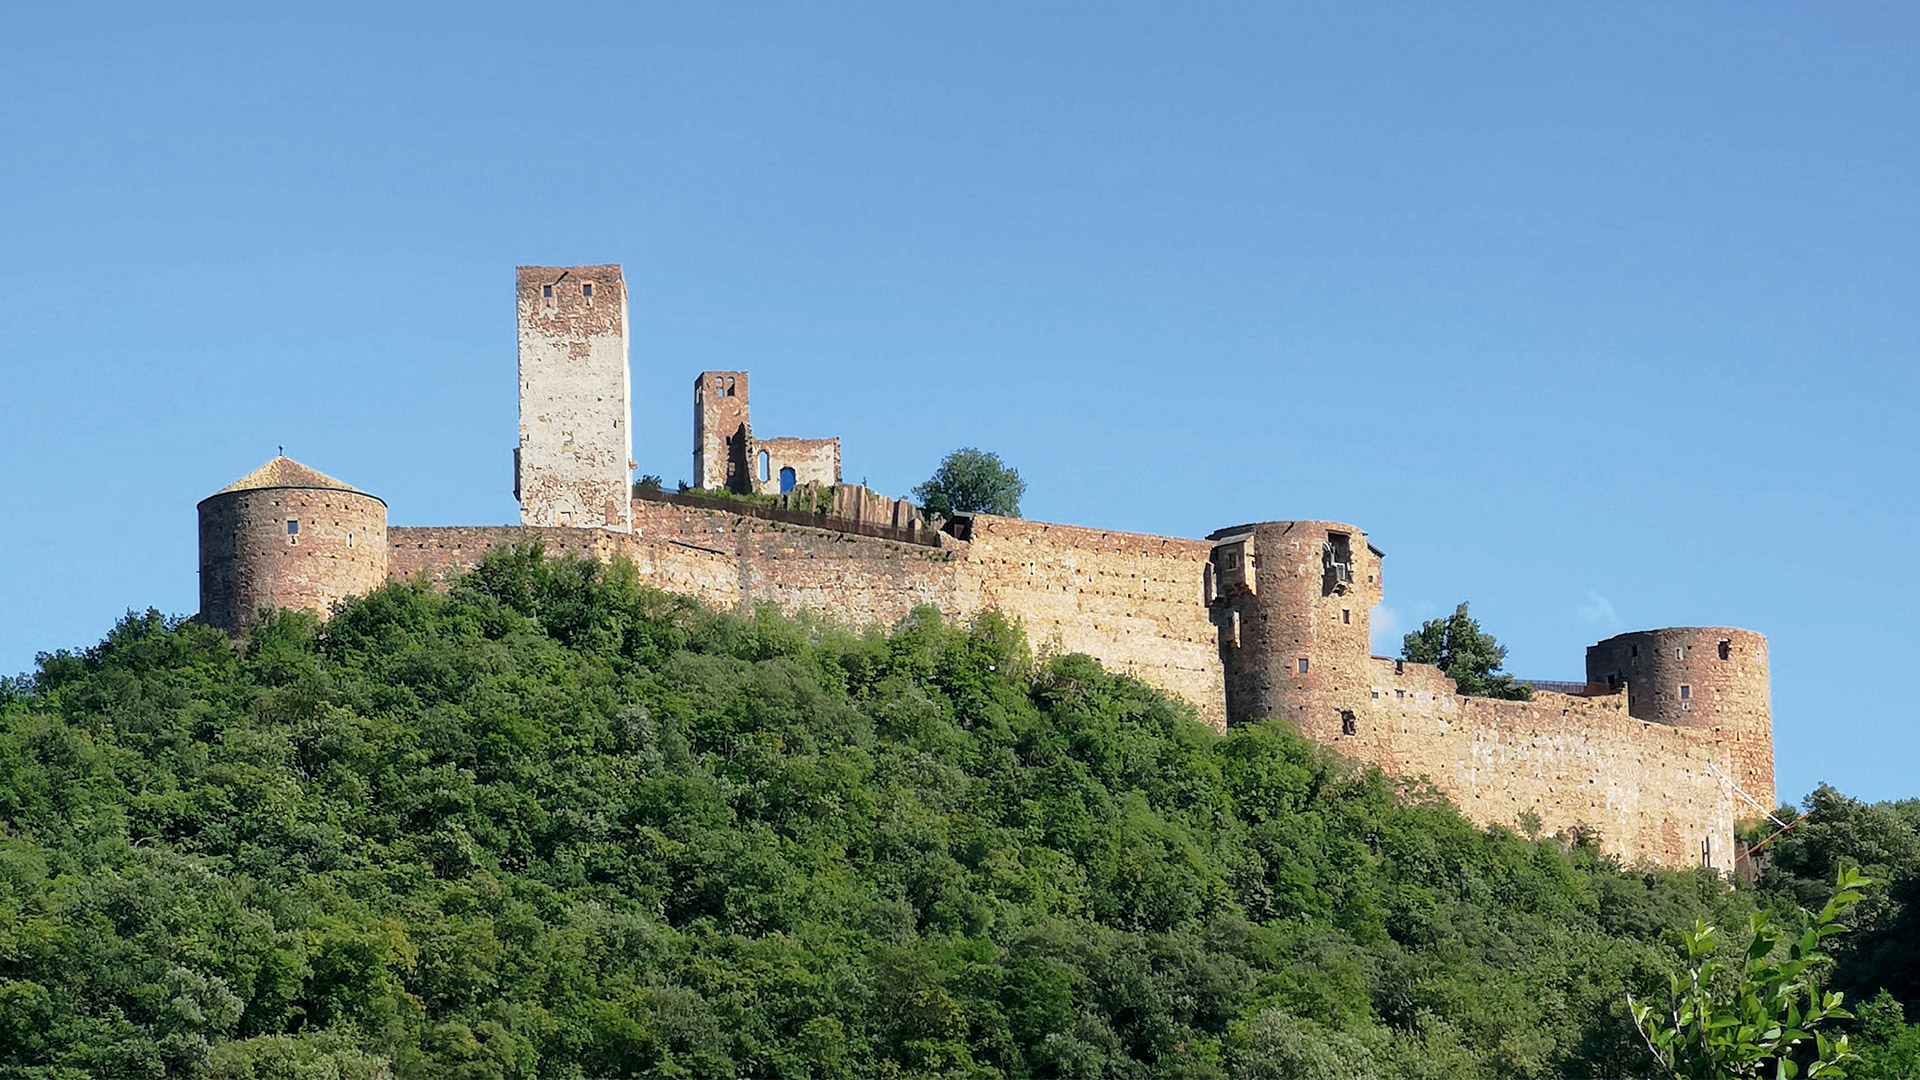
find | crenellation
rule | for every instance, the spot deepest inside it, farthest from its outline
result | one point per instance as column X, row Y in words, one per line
column 1268, row 619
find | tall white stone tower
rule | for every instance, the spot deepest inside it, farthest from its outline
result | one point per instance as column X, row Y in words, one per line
column 574, row 464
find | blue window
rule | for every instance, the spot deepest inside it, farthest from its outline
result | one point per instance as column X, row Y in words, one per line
column 786, row 480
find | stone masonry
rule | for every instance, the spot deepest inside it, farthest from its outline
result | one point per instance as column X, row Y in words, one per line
column 727, row 456
column 1670, row 743
column 574, row 463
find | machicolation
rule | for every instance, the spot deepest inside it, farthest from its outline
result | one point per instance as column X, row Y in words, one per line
column 1664, row 746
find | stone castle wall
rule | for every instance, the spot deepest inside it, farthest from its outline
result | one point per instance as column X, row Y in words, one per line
column 1650, row 792
column 1133, row 601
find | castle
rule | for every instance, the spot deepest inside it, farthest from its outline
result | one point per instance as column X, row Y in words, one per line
column 1664, row 746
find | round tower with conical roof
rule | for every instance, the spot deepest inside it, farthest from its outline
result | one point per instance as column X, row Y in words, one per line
column 287, row 536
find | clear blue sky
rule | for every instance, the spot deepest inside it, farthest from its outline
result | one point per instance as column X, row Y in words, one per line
column 1599, row 316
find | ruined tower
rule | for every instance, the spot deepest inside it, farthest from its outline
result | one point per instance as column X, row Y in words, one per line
column 574, row 465
column 722, row 431
column 726, row 454
column 287, row 536
column 1708, row 678
column 1289, row 600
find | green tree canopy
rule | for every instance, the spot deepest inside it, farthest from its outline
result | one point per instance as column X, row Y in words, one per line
column 971, row 481
column 552, row 823
column 1468, row 654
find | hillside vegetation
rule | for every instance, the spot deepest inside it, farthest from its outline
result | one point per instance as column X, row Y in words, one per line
column 556, row 824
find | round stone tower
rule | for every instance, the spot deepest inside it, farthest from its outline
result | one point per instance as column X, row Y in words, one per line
column 1709, row 678
column 1290, row 601
column 286, row 536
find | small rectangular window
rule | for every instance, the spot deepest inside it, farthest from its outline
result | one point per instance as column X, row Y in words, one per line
column 1686, row 692
column 1399, row 667
column 1303, row 665
column 349, row 539
column 1376, row 695
column 1346, row 616
column 1349, row 724
column 547, row 292
column 1679, row 652
column 586, row 290
column 1399, row 693
column 1726, row 648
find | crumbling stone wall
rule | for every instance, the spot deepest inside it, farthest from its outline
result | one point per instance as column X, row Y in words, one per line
column 813, row 461
column 284, row 547
column 727, row 455
column 722, row 436
column 573, row 464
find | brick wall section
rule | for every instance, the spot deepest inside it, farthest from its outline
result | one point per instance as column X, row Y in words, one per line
column 1650, row 790
column 1724, row 671
column 575, row 438
column 249, row 561
column 722, row 436
column 813, row 461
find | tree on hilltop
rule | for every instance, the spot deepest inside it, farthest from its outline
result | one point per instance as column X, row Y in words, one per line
column 971, row 481
column 1469, row 655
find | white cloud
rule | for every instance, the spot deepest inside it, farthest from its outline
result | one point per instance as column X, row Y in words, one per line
column 1383, row 631
column 1598, row 611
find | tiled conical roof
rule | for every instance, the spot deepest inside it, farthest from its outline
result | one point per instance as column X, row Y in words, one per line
column 284, row 472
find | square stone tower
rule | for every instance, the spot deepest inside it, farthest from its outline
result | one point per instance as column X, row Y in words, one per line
column 574, row 464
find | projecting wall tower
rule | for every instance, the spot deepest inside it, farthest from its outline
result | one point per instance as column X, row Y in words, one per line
column 1709, row 678
column 286, row 536
column 1289, row 601
column 722, row 432
column 574, row 464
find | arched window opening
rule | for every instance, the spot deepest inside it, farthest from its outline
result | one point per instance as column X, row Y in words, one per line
column 763, row 466
column 787, row 480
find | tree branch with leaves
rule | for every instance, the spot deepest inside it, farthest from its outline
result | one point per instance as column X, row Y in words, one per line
column 1754, row 1023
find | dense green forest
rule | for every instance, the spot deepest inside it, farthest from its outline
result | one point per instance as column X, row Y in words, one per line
column 555, row 824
